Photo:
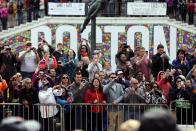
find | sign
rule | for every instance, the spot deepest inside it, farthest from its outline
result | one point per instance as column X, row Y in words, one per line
column 76, row 9
column 108, row 37
column 134, row 8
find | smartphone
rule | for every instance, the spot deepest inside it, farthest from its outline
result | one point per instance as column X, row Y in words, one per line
column 8, row 48
column 59, row 62
column 83, row 81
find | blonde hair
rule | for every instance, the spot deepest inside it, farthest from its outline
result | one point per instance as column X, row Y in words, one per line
column 129, row 125
column 25, row 80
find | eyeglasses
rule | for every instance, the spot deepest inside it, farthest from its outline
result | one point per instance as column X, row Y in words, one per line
column 178, row 81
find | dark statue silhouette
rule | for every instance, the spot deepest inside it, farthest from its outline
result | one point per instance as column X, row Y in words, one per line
column 94, row 7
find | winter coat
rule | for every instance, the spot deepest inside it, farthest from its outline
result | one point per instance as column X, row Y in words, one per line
column 159, row 64
column 91, row 95
column 176, row 64
column 164, row 85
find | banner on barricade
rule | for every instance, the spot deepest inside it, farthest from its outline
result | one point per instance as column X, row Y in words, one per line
column 149, row 8
column 76, row 9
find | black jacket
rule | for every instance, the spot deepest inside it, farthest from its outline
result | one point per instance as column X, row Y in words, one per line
column 159, row 64
column 31, row 96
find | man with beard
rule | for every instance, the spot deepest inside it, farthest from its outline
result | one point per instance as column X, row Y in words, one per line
column 78, row 89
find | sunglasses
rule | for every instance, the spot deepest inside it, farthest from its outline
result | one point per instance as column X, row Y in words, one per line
column 64, row 77
column 113, row 77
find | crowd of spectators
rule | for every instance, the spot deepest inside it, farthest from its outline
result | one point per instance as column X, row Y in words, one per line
column 18, row 10
column 46, row 75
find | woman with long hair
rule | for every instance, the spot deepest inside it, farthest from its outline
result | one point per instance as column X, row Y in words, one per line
column 12, row 92
column 64, row 97
column 83, row 51
column 94, row 95
column 163, row 83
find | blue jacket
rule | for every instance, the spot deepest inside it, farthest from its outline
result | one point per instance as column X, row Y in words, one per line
column 63, row 102
column 176, row 64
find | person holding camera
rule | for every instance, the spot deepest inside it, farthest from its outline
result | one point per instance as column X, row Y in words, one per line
column 178, row 90
column 78, row 88
column 48, row 61
column 70, row 63
column 29, row 59
column 179, row 93
column 153, row 94
column 114, row 95
column 181, row 63
column 133, row 94
column 43, row 46
column 8, row 62
column 48, row 112
column 38, row 79
column 163, row 79
column 160, row 61
column 143, row 64
column 126, row 49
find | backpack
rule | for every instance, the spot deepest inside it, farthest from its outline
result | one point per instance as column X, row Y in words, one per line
column 11, row 8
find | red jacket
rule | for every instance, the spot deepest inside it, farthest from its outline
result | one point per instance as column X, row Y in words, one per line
column 191, row 7
column 164, row 86
column 3, row 86
column 91, row 96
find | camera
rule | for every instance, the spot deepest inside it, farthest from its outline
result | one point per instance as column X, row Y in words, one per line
column 8, row 48
column 84, row 81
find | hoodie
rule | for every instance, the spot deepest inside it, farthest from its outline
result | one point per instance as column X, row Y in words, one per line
column 164, row 85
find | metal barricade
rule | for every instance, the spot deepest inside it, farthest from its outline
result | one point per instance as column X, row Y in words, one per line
column 50, row 116
column 102, row 117
column 183, row 111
